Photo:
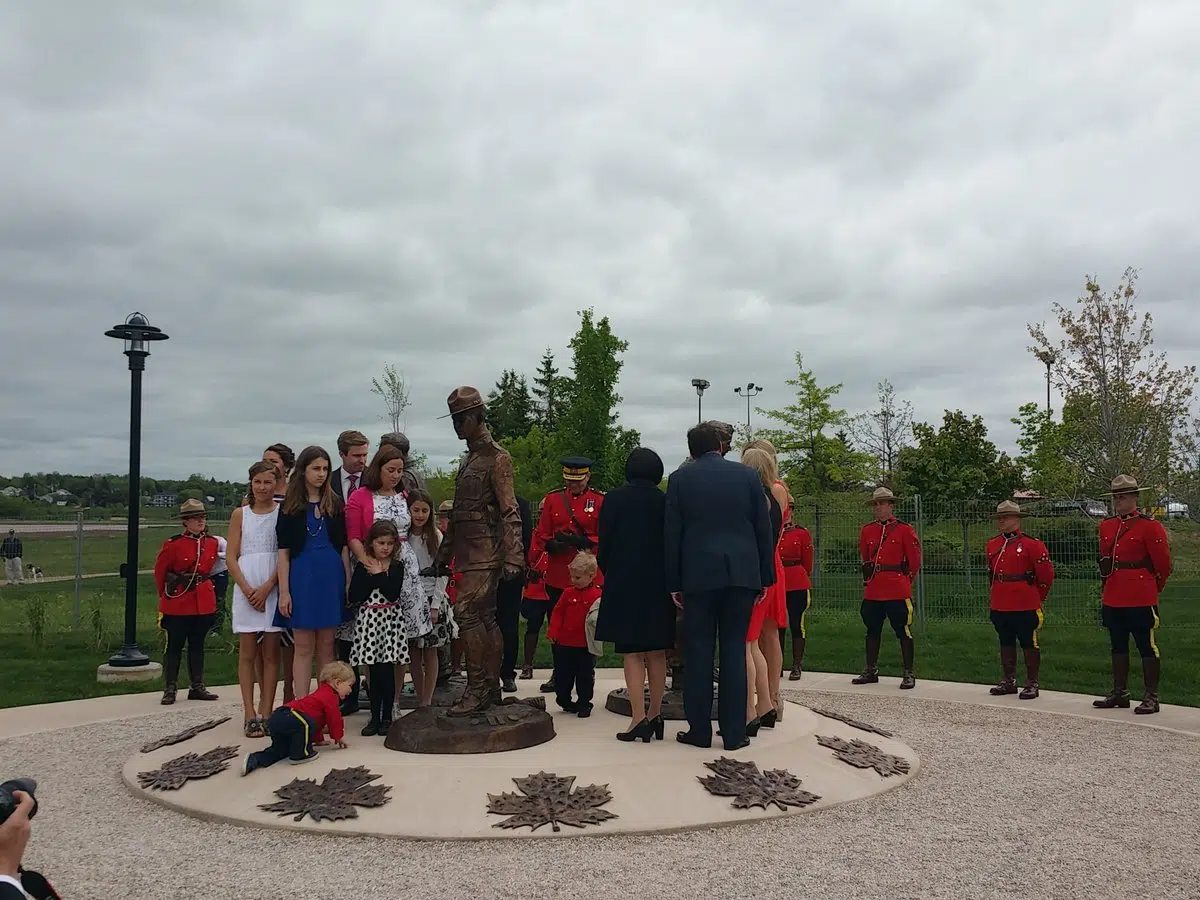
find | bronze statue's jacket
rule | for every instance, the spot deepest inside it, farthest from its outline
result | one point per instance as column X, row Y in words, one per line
column 484, row 531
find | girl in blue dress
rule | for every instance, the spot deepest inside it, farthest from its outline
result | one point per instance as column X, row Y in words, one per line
column 314, row 564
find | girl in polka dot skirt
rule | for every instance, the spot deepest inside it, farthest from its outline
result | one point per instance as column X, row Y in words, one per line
column 380, row 636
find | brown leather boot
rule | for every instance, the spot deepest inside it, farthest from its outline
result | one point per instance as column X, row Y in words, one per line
column 478, row 695
column 1033, row 662
column 1008, row 668
column 870, row 675
column 1118, row 697
column 1151, row 668
column 908, row 680
column 169, row 691
column 199, row 692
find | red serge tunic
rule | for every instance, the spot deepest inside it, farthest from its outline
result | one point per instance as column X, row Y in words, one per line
column 796, row 551
column 891, row 555
column 555, row 516
column 323, row 706
column 568, row 619
column 1135, row 552
column 1020, row 570
column 189, row 557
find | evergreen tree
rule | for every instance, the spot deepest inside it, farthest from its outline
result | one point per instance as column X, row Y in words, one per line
column 510, row 407
column 551, row 390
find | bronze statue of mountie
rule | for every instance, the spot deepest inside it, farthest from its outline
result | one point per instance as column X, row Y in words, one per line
column 483, row 539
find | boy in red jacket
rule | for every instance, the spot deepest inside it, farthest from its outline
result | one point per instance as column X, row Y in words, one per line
column 298, row 723
column 574, row 664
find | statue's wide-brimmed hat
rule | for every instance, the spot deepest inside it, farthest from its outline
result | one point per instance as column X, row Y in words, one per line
column 882, row 495
column 1008, row 508
column 445, row 507
column 192, row 508
column 397, row 439
column 462, row 400
column 575, row 468
column 1124, row 484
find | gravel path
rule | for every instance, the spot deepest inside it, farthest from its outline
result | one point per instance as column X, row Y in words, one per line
column 1009, row 805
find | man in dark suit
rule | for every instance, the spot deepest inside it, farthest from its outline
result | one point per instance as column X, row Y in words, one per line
column 508, row 607
column 354, row 448
column 720, row 557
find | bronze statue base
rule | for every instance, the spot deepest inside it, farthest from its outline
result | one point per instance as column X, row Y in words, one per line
column 446, row 693
column 512, row 725
column 672, row 704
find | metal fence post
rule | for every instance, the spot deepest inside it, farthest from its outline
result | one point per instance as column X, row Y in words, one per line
column 920, row 581
column 78, row 564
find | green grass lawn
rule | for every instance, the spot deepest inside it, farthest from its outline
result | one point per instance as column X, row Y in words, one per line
column 1076, row 657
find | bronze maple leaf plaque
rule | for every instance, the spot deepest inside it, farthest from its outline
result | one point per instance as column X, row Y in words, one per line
column 547, row 799
column 749, row 787
column 175, row 773
column 185, row 735
column 852, row 722
column 862, row 755
column 338, row 796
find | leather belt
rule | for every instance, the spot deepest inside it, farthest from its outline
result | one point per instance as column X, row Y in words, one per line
column 1137, row 564
column 889, row 568
column 792, row 562
column 1012, row 578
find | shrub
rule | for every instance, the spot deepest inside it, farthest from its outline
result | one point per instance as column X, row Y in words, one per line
column 35, row 616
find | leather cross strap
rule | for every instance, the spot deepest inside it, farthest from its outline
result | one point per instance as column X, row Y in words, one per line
column 579, row 529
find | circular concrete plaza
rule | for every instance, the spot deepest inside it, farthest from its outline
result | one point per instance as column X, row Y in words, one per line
column 1039, row 799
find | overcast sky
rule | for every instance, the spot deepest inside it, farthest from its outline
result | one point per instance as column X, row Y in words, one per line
column 300, row 192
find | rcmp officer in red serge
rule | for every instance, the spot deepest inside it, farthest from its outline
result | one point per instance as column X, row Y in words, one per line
column 891, row 555
column 187, row 603
column 566, row 524
column 1135, row 562
column 796, row 551
column 1021, row 574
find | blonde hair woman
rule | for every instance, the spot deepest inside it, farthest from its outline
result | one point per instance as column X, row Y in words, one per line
column 771, row 614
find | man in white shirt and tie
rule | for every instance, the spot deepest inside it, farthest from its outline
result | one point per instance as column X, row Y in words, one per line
column 353, row 448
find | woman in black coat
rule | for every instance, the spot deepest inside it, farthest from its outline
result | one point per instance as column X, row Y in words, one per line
column 637, row 614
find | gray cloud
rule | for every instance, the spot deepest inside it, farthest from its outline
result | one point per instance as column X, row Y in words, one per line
column 300, row 193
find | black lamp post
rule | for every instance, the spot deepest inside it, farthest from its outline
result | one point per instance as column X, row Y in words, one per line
column 701, row 385
column 136, row 332
column 1048, row 358
column 750, row 391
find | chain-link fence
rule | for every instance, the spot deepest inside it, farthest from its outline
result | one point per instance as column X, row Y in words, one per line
column 952, row 585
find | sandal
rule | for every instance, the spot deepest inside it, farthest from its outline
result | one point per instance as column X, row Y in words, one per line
column 252, row 728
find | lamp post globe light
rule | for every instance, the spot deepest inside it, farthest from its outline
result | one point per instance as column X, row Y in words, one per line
column 701, row 385
column 130, row 663
column 750, row 391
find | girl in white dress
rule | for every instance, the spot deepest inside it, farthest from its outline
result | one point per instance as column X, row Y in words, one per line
column 425, row 540
column 252, row 554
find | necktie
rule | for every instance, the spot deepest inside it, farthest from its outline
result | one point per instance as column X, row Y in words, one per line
column 353, row 483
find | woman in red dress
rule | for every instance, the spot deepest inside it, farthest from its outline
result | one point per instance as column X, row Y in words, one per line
column 770, row 615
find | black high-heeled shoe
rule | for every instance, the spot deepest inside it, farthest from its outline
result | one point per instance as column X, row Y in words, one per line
column 769, row 718
column 642, row 731
column 658, row 724
column 751, row 728
column 370, row 729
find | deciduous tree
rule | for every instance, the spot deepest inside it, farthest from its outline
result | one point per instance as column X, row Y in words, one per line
column 883, row 432
column 1043, row 460
column 812, row 460
column 1123, row 400
column 390, row 387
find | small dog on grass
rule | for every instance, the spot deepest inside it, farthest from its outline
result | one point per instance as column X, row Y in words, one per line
column 35, row 573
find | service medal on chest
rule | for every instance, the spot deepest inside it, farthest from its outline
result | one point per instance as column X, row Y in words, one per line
column 589, row 505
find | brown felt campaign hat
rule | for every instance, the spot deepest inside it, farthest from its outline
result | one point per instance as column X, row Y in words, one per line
column 462, row 400
column 445, row 506
column 1008, row 508
column 1124, row 484
column 191, row 508
column 882, row 495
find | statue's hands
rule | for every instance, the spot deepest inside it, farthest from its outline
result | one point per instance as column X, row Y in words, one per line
column 511, row 572
column 435, row 571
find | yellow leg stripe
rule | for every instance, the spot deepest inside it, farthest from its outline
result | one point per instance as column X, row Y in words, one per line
column 304, row 723
column 1041, row 619
column 803, row 632
column 1154, row 628
column 908, row 622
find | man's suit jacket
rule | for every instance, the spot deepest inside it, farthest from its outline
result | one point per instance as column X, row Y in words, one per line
column 718, row 531
column 336, row 478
